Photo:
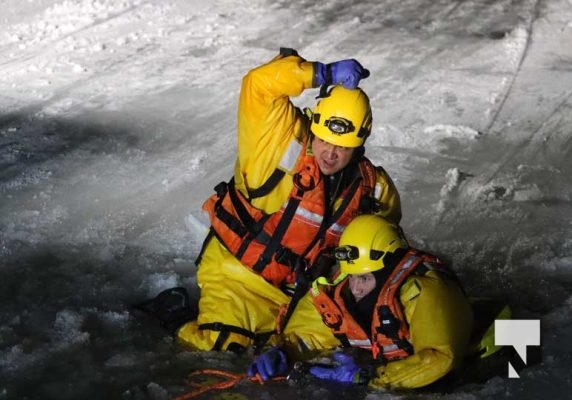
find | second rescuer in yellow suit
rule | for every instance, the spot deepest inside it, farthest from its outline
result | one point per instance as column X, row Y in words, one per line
column 400, row 304
column 299, row 179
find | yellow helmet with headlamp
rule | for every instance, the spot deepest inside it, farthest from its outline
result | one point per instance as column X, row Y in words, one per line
column 342, row 117
column 365, row 242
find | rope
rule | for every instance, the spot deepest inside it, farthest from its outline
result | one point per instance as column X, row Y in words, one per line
column 231, row 380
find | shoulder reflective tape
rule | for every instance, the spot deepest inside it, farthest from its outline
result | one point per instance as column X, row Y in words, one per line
column 360, row 343
column 377, row 192
column 337, row 228
column 288, row 161
column 309, row 215
column 408, row 264
column 317, row 219
column 393, row 347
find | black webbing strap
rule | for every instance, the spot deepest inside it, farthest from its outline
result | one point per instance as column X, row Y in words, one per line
column 390, row 328
column 287, row 51
column 350, row 194
column 267, row 186
column 230, row 221
column 241, row 211
column 302, row 286
column 234, row 224
column 245, row 226
column 225, row 331
column 255, row 232
column 343, row 339
column 281, row 228
column 286, row 256
column 404, row 345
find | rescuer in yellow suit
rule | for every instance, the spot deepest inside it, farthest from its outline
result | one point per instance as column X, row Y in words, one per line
column 299, row 178
column 400, row 304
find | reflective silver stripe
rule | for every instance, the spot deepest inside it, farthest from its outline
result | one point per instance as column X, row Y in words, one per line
column 316, row 218
column 377, row 191
column 360, row 343
column 403, row 269
column 311, row 216
column 288, row 161
column 337, row 228
column 390, row 347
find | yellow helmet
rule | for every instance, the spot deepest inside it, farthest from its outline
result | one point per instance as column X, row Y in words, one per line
column 343, row 117
column 365, row 242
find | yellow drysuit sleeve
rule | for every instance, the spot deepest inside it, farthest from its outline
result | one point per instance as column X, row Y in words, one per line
column 268, row 121
column 440, row 322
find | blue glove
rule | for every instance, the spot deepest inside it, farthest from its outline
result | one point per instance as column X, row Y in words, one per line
column 346, row 372
column 269, row 364
column 346, row 72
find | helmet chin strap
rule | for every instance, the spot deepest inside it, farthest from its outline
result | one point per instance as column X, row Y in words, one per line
column 358, row 154
column 323, row 91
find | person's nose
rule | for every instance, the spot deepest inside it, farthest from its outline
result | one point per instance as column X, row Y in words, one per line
column 355, row 287
column 331, row 152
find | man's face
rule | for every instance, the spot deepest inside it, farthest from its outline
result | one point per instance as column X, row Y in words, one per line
column 331, row 159
column 361, row 285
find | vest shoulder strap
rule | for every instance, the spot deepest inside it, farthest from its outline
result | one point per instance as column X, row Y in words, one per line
column 368, row 173
column 267, row 186
column 389, row 311
column 368, row 203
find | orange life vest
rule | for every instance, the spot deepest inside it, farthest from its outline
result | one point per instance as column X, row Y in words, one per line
column 273, row 245
column 389, row 336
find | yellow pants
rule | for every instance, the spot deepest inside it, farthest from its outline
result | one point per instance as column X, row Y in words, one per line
column 232, row 294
